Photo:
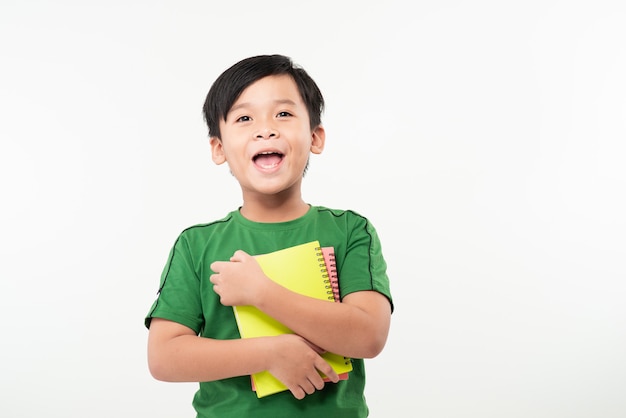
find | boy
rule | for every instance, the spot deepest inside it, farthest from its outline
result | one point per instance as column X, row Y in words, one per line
column 264, row 120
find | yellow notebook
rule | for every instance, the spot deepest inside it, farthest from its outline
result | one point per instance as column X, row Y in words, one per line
column 302, row 269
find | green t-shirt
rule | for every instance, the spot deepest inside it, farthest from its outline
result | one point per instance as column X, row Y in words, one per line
column 186, row 296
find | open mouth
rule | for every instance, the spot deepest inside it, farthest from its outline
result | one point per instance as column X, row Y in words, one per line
column 267, row 159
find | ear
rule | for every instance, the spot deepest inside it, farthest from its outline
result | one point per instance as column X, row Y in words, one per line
column 318, row 139
column 217, row 150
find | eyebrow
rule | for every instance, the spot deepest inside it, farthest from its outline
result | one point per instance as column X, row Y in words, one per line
column 278, row 102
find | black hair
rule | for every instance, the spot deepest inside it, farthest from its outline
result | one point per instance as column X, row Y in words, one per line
column 232, row 82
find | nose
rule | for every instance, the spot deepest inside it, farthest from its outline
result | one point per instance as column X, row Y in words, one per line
column 266, row 133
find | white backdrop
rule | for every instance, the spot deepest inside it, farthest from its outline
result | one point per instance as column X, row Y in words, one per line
column 486, row 143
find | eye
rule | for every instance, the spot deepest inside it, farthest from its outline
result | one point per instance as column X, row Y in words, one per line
column 243, row 119
column 283, row 114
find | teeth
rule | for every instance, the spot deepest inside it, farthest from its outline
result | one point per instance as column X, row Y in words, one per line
column 269, row 166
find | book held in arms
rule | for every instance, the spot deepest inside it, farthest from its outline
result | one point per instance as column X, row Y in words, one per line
column 302, row 269
column 331, row 268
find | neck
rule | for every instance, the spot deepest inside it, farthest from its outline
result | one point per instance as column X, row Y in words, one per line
column 273, row 209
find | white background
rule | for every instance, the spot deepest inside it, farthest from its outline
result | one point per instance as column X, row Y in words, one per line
column 485, row 140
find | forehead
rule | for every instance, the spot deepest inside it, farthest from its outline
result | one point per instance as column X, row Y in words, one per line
column 269, row 89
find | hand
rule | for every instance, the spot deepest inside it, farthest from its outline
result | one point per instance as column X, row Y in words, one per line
column 239, row 281
column 297, row 363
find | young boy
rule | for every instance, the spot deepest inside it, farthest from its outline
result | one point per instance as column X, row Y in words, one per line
column 264, row 120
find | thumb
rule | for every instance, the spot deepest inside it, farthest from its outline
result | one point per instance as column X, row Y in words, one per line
column 239, row 255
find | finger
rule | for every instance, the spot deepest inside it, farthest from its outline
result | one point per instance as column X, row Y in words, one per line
column 216, row 288
column 317, row 382
column 239, row 255
column 216, row 266
column 327, row 371
column 298, row 393
column 308, row 387
column 213, row 278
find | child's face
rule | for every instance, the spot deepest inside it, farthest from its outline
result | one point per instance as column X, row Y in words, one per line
column 266, row 138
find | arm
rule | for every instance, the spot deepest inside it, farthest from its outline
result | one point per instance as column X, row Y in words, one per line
column 357, row 328
column 177, row 354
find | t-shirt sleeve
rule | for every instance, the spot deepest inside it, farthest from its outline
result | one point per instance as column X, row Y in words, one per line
column 178, row 298
column 363, row 266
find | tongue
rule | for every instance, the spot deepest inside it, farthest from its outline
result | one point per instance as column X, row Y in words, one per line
column 267, row 160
